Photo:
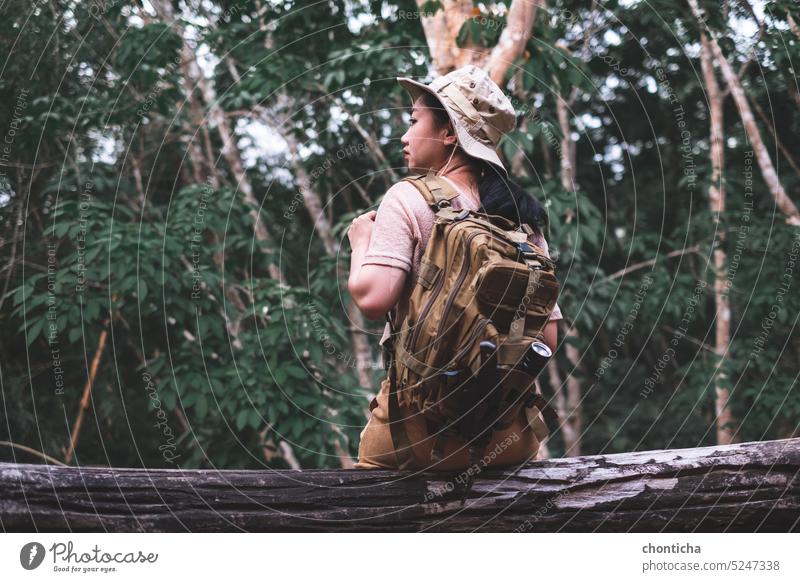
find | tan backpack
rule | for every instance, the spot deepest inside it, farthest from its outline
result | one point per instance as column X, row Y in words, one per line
column 468, row 351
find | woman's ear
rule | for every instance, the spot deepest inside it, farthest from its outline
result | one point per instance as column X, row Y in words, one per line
column 450, row 137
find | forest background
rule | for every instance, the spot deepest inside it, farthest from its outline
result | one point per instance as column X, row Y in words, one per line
column 176, row 179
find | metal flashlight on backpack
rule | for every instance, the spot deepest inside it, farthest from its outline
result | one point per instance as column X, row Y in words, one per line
column 536, row 358
column 534, row 361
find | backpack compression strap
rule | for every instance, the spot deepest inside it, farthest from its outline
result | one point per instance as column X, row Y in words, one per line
column 518, row 324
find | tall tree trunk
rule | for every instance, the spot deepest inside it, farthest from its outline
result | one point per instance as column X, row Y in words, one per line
column 769, row 123
column 204, row 170
column 567, row 428
column 231, row 154
column 567, row 158
column 194, row 77
column 200, row 163
column 573, row 413
column 441, row 31
column 716, row 196
column 361, row 348
column 754, row 135
column 519, row 25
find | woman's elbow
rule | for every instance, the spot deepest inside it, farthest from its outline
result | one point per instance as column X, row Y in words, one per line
column 368, row 303
column 373, row 313
column 375, row 304
column 372, row 308
column 551, row 335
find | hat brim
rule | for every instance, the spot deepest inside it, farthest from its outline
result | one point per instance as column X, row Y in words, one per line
column 469, row 144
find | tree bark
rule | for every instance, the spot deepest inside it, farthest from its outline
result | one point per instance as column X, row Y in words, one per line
column 519, row 25
column 200, row 162
column 441, row 32
column 231, row 154
column 573, row 408
column 571, row 438
column 793, row 25
column 769, row 123
column 716, row 199
column 749, row 487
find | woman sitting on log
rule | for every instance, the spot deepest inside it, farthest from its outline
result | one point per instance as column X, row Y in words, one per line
column 456, row 124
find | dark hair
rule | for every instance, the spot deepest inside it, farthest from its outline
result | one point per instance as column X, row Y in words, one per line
column 499, row 195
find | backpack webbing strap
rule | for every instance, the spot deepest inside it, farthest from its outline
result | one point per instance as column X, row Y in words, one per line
column 548, row 412
column 417, row 366
column 436, row 191
column 536, row 423
column 388, row 345
column 518, row 324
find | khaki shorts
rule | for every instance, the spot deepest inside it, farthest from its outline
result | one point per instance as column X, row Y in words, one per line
column 512, row 446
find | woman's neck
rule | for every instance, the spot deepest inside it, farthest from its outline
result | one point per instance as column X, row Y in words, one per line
column 464, row 174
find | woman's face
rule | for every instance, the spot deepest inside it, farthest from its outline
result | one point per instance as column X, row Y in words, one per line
column 426, row 145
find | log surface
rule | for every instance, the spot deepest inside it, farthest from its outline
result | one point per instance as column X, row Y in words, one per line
column 742, row 487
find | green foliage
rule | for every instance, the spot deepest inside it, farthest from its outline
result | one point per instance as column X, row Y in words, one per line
column 121, row 212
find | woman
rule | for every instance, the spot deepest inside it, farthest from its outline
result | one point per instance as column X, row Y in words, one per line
column 456, row 124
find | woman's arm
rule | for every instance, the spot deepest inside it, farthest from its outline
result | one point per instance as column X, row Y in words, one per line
column 374, row 288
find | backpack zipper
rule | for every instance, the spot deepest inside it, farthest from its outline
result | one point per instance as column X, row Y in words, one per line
column 454, row 292
column 478, row 328
column 428, row 305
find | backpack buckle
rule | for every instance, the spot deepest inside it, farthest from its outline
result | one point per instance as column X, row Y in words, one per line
column 524, row 248
column 462, row 215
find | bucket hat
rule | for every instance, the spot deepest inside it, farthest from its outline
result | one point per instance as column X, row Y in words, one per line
column 479, row 110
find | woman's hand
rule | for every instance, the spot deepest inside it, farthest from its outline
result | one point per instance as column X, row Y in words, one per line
column 360, row 230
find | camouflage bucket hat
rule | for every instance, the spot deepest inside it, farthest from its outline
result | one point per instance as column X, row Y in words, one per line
column 480, row 111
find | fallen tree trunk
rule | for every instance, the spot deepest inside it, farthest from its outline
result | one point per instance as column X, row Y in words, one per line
column 739, row 487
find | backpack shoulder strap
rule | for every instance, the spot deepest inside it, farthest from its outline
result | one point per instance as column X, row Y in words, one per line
column 437, row 192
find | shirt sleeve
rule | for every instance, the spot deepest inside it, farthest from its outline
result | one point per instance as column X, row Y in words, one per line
column 540, row 241
column 393, row 236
